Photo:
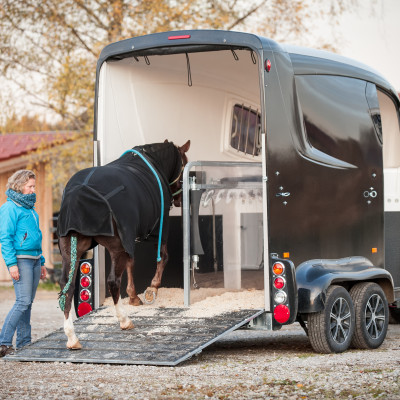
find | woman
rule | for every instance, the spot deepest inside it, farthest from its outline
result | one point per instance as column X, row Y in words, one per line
column 21, row 247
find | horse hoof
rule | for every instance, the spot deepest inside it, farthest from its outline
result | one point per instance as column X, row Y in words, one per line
column 150, row 295
column 127, row 325
column 74, row 346
column 135, row 301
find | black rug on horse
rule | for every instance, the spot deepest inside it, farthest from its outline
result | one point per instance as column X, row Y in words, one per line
column 125, row 190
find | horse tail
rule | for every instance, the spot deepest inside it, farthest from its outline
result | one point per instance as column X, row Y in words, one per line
column 63, row 294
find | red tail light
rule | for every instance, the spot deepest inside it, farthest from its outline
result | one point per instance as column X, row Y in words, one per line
column 85, row 295
column 85, row 281
column 279, row 282
column 281, row 314
column 84, row 308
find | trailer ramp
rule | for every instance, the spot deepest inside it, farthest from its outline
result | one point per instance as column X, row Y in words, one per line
column 164, row 337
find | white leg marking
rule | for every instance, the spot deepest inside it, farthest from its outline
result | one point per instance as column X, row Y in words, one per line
column 73, row 341
column 124, row 321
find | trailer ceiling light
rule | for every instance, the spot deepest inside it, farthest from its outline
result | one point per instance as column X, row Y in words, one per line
column 278, row 268
column 281, row 314
column 179, row 37
column 84, row 308
column 280, row 297
column 85, row 295
column 279, row 283
column 86, row 268
column 85, row 281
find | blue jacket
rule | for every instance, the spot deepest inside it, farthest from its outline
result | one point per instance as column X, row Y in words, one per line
column 20, row 234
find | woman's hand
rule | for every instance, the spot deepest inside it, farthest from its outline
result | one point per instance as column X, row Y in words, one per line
column 14, row 272
column 43, row 273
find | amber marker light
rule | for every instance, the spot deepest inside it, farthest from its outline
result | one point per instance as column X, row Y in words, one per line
column 278, row 268
column 86, row 268
column 286, row 255
column 374, row 250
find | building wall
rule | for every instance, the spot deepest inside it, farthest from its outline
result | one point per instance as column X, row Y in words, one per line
column 44, row 206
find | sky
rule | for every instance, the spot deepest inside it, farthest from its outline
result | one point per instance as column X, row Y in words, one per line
column 372, row 36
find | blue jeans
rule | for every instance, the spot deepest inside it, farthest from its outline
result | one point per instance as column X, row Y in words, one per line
column 19, row 317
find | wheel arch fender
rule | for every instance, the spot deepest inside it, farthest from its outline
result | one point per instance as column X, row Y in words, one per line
column 314, row 277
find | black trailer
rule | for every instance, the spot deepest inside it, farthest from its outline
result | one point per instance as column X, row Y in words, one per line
column 293, row 184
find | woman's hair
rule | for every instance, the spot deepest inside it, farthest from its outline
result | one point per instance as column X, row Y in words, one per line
column 18, row 179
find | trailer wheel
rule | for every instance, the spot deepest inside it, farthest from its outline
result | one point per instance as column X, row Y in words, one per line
column 372, row 315
column 331, row 330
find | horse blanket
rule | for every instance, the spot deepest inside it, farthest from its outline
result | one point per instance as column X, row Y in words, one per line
column 126, row 191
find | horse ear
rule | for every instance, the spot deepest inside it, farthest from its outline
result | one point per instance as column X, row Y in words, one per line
column 186, row 146
column 166, row 141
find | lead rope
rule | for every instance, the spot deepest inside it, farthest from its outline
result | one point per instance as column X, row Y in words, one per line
column 62, row 295
column 161, row 194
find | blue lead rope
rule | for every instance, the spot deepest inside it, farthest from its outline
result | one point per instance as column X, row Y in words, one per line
column 161, row 194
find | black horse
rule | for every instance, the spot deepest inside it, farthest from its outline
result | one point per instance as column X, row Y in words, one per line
column 115, row 205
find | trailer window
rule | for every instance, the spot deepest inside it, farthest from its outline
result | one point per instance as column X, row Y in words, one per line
column 246, row 130
column 390, row 131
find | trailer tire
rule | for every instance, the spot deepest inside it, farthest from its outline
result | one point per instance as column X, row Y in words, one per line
column 372, row 315
column 331, row 330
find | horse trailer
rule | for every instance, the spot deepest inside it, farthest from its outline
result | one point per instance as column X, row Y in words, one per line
column 292, row 189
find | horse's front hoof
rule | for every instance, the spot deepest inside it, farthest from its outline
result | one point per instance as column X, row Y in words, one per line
column 126, row 325
column 74, row 345
column 135, row 301
column 150, row 295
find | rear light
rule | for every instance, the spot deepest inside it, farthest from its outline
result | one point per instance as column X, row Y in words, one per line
column 267, row 65
column 178, row 37
column 280, row 297
column 85, row 295
column 84, row 308
column 278, row 268
column 85, row 281
column 86, row 268
column 281, row 313
column 279, row 282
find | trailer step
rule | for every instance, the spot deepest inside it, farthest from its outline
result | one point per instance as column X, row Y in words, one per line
column 166, row 337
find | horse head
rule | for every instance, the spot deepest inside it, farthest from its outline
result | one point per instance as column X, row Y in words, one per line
column 176, row 184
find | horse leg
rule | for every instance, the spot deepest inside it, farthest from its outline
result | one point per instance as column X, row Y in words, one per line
column 83, row 244
column 151, row 292
column 134, row 299
column 119, row 261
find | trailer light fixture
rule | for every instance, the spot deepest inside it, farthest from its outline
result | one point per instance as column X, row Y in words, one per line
column 86, row 268
column 278, row 268
column 179, row 37
column 85, row 295
column 374, row 250
column 84, row 308
column 286, row 255
column 267, row 65
column 280, row 297
column 281, row 314
column 85, row 281
column 279, row 282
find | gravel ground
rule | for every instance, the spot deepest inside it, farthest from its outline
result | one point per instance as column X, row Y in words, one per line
column 244, row 365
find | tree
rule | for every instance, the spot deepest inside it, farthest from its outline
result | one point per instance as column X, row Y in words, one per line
column 50, row 47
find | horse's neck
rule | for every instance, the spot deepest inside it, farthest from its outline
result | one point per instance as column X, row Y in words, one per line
column 165, row 159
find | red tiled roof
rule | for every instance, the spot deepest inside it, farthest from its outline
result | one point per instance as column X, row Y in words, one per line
column 17, row 144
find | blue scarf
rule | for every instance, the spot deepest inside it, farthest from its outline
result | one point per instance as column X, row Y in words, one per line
column 25, row 200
